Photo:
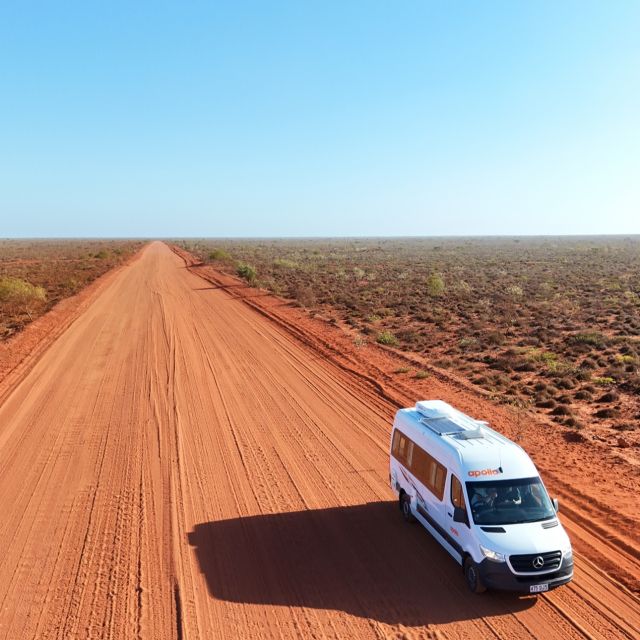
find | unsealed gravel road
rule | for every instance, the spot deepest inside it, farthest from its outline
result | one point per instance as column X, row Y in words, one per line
column 177, row 466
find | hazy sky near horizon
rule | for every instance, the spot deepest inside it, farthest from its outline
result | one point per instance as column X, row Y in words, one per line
column 319, row 118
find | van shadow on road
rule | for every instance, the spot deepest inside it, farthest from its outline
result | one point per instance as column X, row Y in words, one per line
column 362, row 559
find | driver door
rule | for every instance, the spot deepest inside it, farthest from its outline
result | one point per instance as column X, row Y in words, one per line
column 460, row 532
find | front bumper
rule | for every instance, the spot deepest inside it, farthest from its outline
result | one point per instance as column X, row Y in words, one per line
column 497, row 575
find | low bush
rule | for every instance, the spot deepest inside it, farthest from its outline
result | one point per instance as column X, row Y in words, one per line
column 21, row 296
column 625, row 426
column 219, row 254
column 606, row 413
column 247, row 272
column 283, row 263
column 593, row 338
column 387, row 338
column 574, row 436
column 435, row 285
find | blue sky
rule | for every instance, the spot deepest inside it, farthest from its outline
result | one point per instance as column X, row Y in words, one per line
column 319, row 118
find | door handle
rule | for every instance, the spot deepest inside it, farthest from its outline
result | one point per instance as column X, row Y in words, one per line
column 449, row 514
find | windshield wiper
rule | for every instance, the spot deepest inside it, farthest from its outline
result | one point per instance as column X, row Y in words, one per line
column 528, row 520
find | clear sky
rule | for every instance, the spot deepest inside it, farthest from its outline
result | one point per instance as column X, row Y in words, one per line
column 318, row 118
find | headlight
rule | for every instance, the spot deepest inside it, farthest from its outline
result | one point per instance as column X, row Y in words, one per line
column 492, row 555
column 568, row 555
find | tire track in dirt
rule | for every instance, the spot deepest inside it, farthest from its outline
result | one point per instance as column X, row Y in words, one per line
column 177, row 466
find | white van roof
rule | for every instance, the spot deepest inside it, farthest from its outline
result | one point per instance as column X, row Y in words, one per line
column 482, row 452
column 443, row 419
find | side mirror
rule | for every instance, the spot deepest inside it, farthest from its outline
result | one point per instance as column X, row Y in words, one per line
column 556, row 504
column 460, row 515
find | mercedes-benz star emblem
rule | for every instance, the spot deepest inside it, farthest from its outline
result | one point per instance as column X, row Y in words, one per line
column 538, row 562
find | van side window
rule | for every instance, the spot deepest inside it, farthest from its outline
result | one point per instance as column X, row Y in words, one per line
column 457, row 495
column 431, row 477
column 429, row 471
column 420, row 467
column 396, row 443
column 409, row 454
column 424, row 467
column 402, row 448
column 441, row 478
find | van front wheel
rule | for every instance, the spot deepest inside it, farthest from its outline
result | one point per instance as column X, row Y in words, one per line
column 405, row 506
column 472, row 576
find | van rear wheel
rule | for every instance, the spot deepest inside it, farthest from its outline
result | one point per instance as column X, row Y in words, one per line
column 472, row 576
column 405, row 507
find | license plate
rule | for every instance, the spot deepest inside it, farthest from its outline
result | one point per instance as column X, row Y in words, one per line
column 537, row 588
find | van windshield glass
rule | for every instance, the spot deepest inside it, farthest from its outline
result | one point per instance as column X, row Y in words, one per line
column 509, row 501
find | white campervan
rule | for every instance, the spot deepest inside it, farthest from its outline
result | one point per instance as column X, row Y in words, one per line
column 480, row 497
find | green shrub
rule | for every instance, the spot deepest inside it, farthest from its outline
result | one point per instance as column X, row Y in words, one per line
column 15, row 289
column 20, row 295
column 604, row 381
column 386, row 337
column 283, row 263
column 593, row 338
column 219, row 254
column 435, row 285
column 547, row 358
column 247, row 272
column 421, row 375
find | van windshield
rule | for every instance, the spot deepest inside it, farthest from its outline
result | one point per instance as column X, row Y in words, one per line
column 509, row 501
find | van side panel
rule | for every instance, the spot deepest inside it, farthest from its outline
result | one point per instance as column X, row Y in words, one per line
column 423, row 478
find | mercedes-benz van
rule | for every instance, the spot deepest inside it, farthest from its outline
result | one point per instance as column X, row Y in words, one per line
column 481, row 497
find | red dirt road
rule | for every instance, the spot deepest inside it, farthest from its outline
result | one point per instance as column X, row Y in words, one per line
column 177, row 466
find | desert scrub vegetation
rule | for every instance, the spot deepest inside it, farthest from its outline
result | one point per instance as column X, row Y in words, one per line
column 506, row 313
column 19, row 295
column 435, row 285
column 36, row 274
column 387, row 338
column 218, row 254
column 247, row 272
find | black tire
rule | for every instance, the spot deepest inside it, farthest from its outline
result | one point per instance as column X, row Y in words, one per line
column 405, row 507
column 472, row 576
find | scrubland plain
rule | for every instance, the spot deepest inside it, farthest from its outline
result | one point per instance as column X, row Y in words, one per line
column 37, row 274
column 549, row 324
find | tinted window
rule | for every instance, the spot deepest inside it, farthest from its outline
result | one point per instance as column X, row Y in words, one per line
column 396, row 441
column 457, row 494
column 423, row 466
column 441, row 478
column 402, row 447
